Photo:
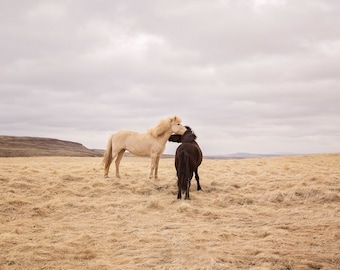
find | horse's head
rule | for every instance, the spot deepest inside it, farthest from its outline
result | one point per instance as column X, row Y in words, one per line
column 171, row 124
column 188, row 136
column 175, row 138
column 176, row 126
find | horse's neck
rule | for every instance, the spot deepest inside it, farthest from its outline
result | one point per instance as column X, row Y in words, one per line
column 188, row 138
column 163, row 138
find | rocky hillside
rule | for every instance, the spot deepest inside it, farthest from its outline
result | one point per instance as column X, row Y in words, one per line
column 11, row 146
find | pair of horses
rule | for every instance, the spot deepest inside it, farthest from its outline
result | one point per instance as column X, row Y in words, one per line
column 152, row 144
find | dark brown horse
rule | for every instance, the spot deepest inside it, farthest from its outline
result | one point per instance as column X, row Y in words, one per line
column 188, row 158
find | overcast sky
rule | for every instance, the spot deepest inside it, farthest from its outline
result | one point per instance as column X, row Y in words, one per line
column 257, row 76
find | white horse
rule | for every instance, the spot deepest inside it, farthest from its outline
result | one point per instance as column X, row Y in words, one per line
column 152, row 144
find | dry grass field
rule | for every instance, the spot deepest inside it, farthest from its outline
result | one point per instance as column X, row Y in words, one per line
column 263, row 213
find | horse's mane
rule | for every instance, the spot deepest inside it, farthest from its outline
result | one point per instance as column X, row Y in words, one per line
column 163, row 126
column 188, row 137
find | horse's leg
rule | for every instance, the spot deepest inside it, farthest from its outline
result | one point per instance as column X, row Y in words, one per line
column 118, row 159
column 179, row 194
column 152, row 166
column 156, row 166
column 197, row 179
column 108, row 164
column 187, row 196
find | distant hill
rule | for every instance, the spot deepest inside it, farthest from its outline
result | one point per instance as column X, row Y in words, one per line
column 243, row 155
column 13, row 146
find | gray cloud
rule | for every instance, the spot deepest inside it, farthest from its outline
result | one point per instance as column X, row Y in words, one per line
column 250, row 75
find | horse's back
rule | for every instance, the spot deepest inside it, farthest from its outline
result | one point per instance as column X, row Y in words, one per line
column 139, row 144
column 121, row 137
column 125, row 133
column 193, row 150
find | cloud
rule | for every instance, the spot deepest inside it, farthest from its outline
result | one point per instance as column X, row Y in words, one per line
column 254, row 76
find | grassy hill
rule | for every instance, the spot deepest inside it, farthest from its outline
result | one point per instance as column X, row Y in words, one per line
column 12, row 146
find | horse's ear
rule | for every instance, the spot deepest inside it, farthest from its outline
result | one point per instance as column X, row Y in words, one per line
column 175, row 118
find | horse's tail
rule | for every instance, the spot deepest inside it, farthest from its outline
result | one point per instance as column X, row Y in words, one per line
column 108, row 154
column 184, row 171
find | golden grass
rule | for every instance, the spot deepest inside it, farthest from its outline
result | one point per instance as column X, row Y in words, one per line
column 266, row 213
